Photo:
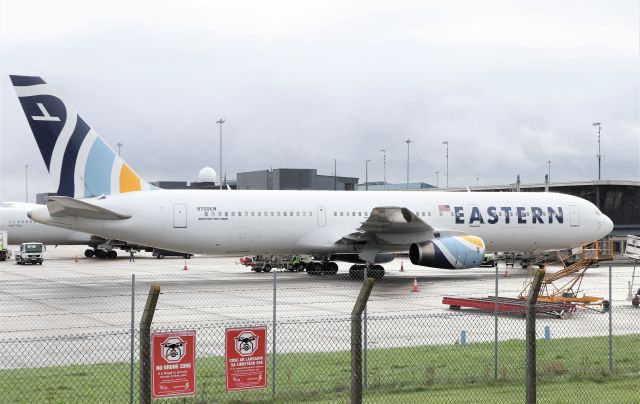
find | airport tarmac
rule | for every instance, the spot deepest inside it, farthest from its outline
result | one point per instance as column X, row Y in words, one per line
column 90, row 301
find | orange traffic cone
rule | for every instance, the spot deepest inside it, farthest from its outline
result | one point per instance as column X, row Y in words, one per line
column 186, row 268
column 415, row 285
column 401, row 267
column 76, row 260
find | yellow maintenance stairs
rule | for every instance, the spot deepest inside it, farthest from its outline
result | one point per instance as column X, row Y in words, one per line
column 588, row 256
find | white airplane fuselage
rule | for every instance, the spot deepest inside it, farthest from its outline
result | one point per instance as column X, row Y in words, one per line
column 312, row 222
column 21, row 229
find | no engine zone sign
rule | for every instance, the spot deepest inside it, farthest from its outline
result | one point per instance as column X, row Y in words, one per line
column 173, row 360
column 245, row 358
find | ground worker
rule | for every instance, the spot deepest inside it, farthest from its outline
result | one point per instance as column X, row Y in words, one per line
column 131, row 257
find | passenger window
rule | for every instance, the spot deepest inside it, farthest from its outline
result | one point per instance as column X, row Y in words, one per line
column 353, row 213
column 233, row 213
column 259, row 213
column 239, row 213
column 290, row 213
column 285, row 213
column 305, row 213
column 246, row 213
column 335, row 213
column 226, row 214
column 341, row 213
column 297, row 213
column 278, row 213
column 272, row 214
column 428, row 213
column 253, row 213
column 310, row 213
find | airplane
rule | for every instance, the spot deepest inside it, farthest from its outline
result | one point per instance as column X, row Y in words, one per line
column 21, row 229
column 438, row 229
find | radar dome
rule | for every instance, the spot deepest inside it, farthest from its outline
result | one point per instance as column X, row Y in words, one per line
column 207, row 174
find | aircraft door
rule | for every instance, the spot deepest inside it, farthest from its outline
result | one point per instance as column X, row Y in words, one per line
column 574, row 215
column 179, row 215
column 322, row 216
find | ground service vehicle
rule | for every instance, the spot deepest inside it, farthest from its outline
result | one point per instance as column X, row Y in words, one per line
column 4, row 252
column 160, row 254
column 30, row 252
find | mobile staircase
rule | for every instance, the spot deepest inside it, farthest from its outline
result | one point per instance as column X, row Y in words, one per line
column 553, row 291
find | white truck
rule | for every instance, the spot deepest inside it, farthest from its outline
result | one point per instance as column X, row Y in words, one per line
column 4, row 243
column 30, row 252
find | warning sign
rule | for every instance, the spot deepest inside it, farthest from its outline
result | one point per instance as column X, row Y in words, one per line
column 173, row 360
column 245, row 358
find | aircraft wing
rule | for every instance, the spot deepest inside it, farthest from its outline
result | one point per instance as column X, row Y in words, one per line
column 392, row 225
column 59, row 206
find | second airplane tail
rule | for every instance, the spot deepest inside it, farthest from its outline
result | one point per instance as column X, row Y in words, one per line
column 81, row 163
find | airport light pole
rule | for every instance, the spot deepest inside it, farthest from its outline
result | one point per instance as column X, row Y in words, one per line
column 366, row 175
column 446, row 144
column 408, row 142
column 26, row 183
column 477, row 181
column 220, row 122
column 384, row 165
column 119, row 144
column 549, row 170
column 335, row 175
column 437, row 185
column 599, row 155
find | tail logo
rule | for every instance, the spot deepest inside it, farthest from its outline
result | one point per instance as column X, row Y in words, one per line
column 45, row 115
column 81, row 163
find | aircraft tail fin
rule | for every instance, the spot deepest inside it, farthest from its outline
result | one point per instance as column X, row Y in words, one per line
column 80, row 162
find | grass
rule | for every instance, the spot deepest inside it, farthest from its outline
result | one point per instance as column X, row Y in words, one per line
column 569, row 370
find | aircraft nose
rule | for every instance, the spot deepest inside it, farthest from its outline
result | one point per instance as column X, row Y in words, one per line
column 608, row 224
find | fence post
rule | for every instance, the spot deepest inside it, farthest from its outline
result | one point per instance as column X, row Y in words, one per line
column 365, row 342
column 495, row 333
column 610, row 324
column 530, row 373
column 273, row 345
column 356, row 341
column 145, row 344
column 133, row 330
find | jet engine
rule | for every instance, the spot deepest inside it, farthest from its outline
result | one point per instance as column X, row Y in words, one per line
column 452, row 252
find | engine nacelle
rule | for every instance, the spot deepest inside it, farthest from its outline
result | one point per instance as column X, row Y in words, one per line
column 453, row 252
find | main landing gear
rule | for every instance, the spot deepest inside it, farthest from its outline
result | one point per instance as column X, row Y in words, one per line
column 98, row 253
column 322, row 268
column 373, row 271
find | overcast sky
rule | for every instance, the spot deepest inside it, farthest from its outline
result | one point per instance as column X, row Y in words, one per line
column 510, row 85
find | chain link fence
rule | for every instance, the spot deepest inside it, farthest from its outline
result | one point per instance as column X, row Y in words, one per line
column 82, row 344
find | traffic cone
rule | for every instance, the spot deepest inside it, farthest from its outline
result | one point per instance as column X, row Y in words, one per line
column 76, row 260
column 186, row 268
column 415, row 285
column 401, row 267
column 506, row 272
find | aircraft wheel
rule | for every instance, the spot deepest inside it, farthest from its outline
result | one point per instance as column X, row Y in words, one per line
column 112, row 254
column 606, row 306
column 101, row 254
column 187, row 256
column 377, row 272
column 331, row 268
column 636, row 301
column 314, row 268
column 88, row 253
column 257, row 269
column 266, row 268
column 160, row 256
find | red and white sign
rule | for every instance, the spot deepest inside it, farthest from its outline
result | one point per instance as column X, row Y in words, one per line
column 246, row 357
column 173, row 360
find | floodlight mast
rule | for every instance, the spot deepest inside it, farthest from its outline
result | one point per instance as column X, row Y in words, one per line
column 220, row 122
column 599, row 125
